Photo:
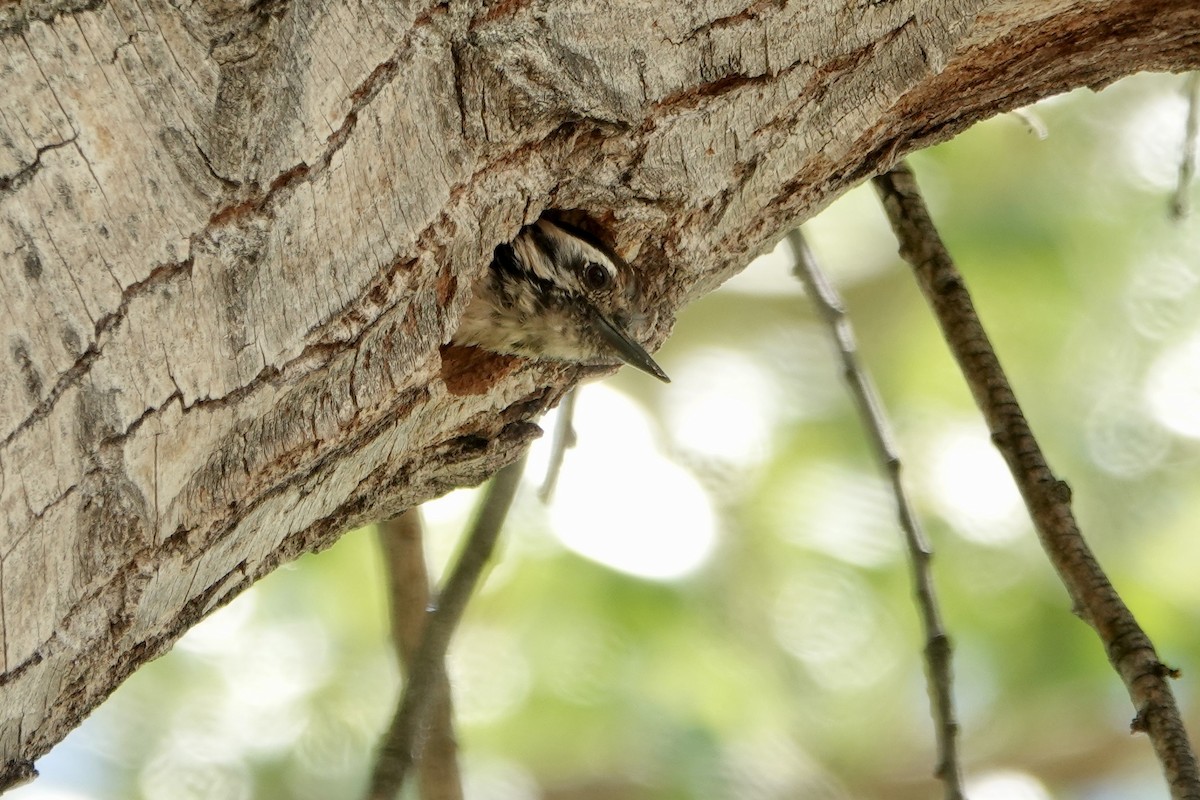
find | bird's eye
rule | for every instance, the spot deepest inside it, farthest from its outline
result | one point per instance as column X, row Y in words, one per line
column 595, row 276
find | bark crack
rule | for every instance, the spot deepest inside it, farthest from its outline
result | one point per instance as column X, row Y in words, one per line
column 10, row 183
column 360, row 97
column 131, row 39
column 157, row 276
column 11, row 675
column 748, row 14
column 228, row 183
column 63, row 495
column 456, row 69
column 83, row 363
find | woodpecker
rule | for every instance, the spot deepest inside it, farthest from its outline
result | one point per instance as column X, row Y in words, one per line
column 557, row 292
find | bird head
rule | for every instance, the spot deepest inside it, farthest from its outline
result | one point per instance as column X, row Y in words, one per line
column 558, row 292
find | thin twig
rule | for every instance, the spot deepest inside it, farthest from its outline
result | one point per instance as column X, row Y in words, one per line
column 564, row 437
column 1033, row 123
column 1048, row 499
column 1181, row 204
column 875, row 420
column 408, row 584
column 407, row 737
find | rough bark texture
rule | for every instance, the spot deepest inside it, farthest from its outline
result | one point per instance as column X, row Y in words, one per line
column 234, row 236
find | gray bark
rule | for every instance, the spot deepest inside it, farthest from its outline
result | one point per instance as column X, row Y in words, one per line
column 234, row 238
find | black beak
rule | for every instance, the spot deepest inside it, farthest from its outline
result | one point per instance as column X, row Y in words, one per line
column 625, row 347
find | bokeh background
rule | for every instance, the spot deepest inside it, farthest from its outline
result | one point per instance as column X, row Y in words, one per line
column 717, row 603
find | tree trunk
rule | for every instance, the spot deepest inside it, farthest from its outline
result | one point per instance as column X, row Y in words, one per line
column 234, row 238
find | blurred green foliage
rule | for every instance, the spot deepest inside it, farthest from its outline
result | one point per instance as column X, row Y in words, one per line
column 787, row 665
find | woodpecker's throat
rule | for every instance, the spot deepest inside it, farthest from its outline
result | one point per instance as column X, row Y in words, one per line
column 558, row 292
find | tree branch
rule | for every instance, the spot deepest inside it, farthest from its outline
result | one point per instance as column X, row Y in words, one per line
column 408, row 584
column 406, row 737
column 1181, row 204
column 230, row 264
column 1129, row 649
column 564, row 438
column 870, row 409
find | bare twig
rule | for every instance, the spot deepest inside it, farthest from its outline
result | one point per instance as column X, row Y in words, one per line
column 408, row 583
column 870, row 409
column 1033, row 123
column 1181, row 204
column 564, row 437
column 403, row 745
column 1128, row 648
